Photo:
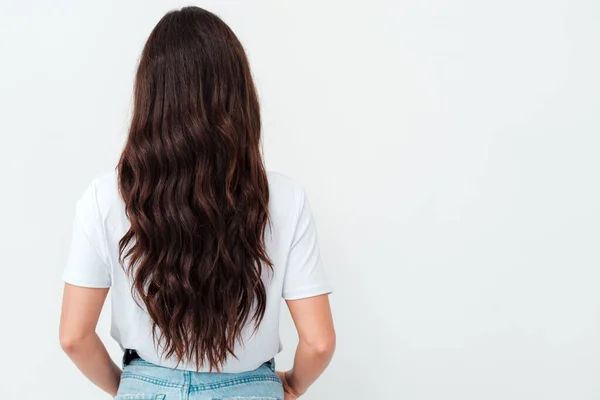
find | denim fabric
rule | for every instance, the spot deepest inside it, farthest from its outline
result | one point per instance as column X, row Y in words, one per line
column 142, row 380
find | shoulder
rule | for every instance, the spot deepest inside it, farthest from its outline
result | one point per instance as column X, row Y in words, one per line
column 106, row 185
column 286, row 199
column 284, row 188
column 100, row 194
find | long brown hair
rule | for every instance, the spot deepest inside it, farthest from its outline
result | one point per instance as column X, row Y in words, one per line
column 195, row 189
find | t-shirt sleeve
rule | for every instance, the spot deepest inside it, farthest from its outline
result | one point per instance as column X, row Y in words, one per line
column 87, row 261
column 305, row 275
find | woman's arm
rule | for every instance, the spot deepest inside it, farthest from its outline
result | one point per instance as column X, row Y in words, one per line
column 314, row 323
column 80, row 312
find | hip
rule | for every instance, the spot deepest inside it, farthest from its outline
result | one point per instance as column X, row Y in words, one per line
column 142, row 380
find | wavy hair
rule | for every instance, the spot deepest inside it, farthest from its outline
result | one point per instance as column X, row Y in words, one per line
column 195, row 190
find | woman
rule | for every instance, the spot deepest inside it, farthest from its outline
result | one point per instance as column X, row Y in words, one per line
column 197, row 242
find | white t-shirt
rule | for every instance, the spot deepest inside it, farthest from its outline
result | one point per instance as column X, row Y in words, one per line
column 291, row 244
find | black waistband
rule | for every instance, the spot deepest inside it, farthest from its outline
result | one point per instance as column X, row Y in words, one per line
column 129, row 356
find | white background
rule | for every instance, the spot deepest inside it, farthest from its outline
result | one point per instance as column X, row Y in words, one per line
column 449, row 148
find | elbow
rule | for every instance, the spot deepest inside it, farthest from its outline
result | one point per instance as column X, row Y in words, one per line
column 327, row 348
column 324, row 347
column 72, row 343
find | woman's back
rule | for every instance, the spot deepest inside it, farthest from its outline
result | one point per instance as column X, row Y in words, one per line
column 196, row 241
column 291, row 245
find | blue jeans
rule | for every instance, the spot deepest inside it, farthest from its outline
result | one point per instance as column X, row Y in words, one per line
column 142, row 380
